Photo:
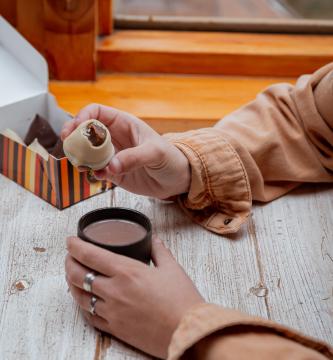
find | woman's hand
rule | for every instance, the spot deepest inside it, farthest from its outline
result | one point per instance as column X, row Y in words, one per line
column 138, row 304
column 145, row 163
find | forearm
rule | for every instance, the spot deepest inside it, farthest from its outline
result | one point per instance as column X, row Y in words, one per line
column 209, row 332
column 285, row 136
column 261, row 151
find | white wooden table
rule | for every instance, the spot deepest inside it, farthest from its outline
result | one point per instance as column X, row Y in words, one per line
column 280, row 266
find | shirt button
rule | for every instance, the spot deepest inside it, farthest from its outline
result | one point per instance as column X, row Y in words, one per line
column 227, row 221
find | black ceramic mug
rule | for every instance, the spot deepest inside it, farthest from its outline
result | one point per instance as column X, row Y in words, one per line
column 123, row 231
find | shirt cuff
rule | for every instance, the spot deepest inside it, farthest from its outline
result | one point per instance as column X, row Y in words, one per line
column 205, row 319
column 219, row 197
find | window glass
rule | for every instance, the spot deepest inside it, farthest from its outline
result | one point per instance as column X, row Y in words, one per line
column 253, row 9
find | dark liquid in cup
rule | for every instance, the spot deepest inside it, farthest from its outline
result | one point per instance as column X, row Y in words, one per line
column 115, row 232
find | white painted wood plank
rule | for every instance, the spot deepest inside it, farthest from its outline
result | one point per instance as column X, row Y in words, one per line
column 288, row 281
column 295, row 239
column 223, row 269
column 42, row 321
column 289, row 239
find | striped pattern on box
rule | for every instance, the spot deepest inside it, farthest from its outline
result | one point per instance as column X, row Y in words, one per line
column 56, row 180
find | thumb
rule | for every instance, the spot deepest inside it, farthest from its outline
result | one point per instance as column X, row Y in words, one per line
column 161, row 256
column 128, row 160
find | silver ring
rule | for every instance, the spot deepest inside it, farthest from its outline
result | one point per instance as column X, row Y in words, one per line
column 87, row 282
column 92, row 308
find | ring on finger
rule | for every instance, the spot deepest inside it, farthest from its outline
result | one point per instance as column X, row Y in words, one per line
column 87, row 281
column 92, row 308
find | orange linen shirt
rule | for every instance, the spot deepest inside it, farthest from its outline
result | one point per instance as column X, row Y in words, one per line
column 260, row 152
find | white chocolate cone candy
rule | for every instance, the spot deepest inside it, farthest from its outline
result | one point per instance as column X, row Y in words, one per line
column 89, row 145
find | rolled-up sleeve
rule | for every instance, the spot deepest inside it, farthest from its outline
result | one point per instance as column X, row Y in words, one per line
column 210, row 332
column 220, row 196
column 260, row 152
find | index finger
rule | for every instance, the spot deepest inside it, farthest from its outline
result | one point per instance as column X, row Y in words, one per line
column 68, row 128
column 104, row 114
column 101, row 260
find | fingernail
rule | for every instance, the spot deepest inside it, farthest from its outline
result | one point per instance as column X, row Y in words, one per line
column 115, row 165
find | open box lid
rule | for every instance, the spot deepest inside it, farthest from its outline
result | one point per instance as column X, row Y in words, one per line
column 23, row 71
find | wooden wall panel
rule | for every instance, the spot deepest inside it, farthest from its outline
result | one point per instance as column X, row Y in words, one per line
column 30, row 22
column 105, row 17
column 70, row 38
column 8, row 10
column 64, row 31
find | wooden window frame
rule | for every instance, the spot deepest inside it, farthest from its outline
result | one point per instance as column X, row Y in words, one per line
column 181, row 46
column 192, row 23
column 234, row 24
column 79, row 54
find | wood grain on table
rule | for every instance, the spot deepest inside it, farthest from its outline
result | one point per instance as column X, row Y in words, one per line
column 279, row 266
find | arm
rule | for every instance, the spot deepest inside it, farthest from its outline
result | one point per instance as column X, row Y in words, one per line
column 158, row 310
column 210, row 332
column 260, row 152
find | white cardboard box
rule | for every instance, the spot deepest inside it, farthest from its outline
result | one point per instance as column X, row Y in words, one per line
column 23, row 94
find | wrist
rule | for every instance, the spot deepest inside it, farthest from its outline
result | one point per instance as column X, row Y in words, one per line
column 177, row 175
column 184, row 166
column 179, row 165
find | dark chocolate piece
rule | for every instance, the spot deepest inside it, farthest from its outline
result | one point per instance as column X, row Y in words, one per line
column 58, row 151
column 41, row 130
column 96, row 134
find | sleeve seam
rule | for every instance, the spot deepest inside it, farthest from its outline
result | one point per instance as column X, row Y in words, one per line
column 209, row 191
column 240, row 163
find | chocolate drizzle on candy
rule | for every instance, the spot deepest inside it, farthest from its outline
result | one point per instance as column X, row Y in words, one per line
column 95, row 134
column 89, row 145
